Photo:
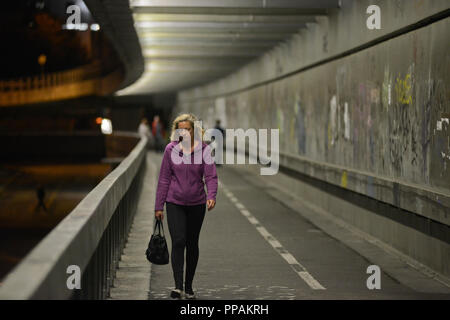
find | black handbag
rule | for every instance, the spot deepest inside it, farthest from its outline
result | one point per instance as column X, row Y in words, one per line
column 157, row 251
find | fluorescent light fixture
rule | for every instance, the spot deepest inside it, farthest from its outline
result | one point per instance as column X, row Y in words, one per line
column 106, row 126
column 75, row 26
column 83, row 26
column 95, row 27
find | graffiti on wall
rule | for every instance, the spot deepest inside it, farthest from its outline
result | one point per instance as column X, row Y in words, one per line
column 332, row 127
column 403, row 89
column 346, row 122
column 300, row 126
column 373, row 111
column 387, row 89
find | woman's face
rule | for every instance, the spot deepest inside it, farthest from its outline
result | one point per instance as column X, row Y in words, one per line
column 187, row 130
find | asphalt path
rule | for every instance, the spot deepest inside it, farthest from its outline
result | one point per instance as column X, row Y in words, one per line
column 252, row 246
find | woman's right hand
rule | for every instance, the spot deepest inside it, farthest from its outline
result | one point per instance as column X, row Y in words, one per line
column 159, row 215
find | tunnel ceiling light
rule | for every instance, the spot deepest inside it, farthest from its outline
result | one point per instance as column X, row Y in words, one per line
column 106, row 126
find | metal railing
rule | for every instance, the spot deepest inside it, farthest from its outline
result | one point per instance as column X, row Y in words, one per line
column 46, row 80
column 91, row 237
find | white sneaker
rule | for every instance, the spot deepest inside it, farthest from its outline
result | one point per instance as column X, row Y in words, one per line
column 190, row 296
column 176, row 294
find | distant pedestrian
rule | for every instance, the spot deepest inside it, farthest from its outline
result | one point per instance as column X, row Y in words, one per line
column 181, row 187
column 40, row 192
column 157, row 131
column 144, row 131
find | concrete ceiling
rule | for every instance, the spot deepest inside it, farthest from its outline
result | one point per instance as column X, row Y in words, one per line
column 116, row 20
column 185, row 43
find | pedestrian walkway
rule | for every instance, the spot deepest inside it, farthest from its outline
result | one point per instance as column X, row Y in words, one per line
column 254, row 246
column 133, row 274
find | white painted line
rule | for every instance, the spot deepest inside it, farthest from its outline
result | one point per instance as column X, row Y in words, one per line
column 245, row 213
column 289, row 258
column 263, row 231
column 252, row 220
column 313, row 283
column 275, row 244
column 239, row 205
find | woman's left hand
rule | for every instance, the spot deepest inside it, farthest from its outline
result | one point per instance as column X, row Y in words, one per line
column 210, row 203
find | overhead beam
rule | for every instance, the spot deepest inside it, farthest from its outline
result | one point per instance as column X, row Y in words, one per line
column 217, row 25
column 202, row 52
column 222, row 36
column 206, row 60
column 189, row 67
column 225, row 18
column 231, row 30
column 235, row 7
column 174, row 44
column 193, row 64
column 239, row 4
column 232, row 11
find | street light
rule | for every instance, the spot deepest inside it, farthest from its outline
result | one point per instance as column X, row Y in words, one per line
column 42, row 59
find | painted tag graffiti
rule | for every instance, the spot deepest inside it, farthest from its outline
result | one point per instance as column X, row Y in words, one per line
column 403, row 89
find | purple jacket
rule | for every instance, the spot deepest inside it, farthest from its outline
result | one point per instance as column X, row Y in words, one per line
column 183, row 183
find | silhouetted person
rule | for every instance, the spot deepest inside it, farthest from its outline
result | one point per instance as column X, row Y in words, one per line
column 144, row 130
column 219, row 127
column 157, row 134
column 40, row 192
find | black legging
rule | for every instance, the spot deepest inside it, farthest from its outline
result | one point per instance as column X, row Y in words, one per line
column 184, row 223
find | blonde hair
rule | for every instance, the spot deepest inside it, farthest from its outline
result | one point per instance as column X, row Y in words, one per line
column 198, row 130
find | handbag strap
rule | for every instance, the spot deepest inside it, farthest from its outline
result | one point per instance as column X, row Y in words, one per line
column 160, row 226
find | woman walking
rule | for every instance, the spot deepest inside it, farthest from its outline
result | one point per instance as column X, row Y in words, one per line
column 181, row 187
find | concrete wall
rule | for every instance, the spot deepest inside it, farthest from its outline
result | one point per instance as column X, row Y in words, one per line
column 361, row 109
